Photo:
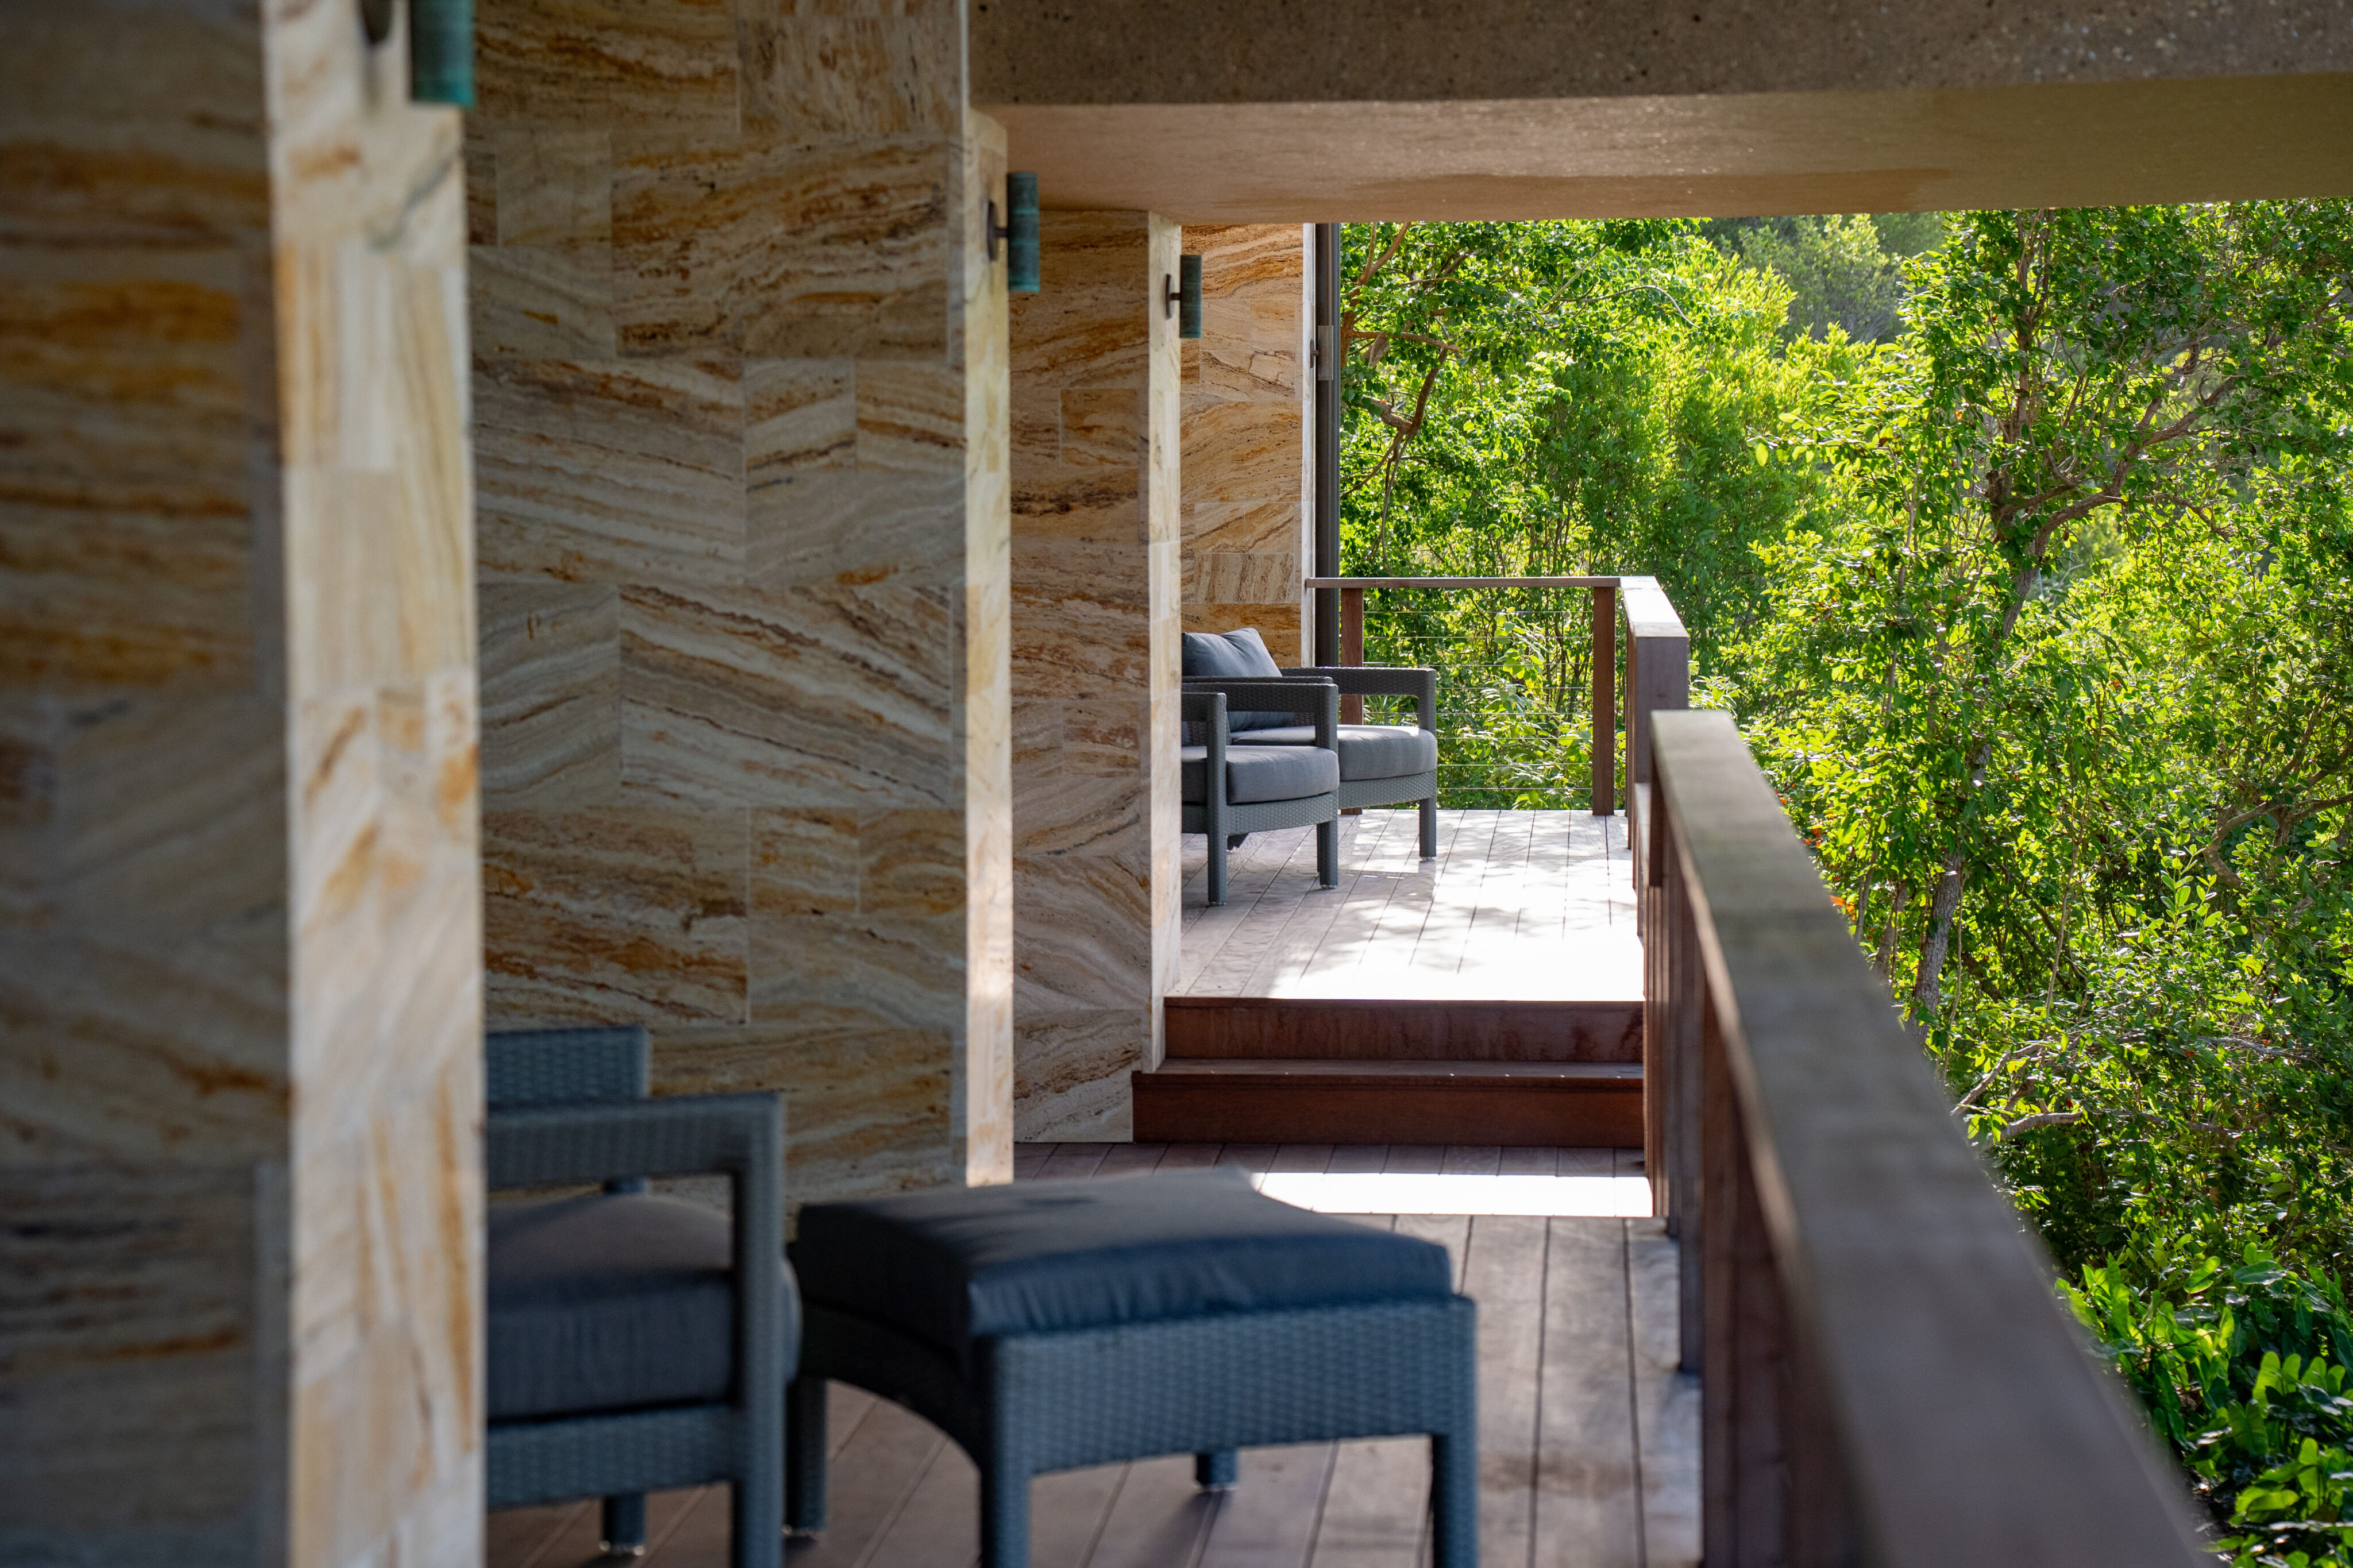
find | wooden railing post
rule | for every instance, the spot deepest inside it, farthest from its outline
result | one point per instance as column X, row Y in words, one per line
column 1605, row 702
column 1352, row 647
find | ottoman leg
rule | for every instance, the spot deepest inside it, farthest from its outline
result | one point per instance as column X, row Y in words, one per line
column 805, row 1455
column 1217, row 1471
column 1327, row 854
column 1004, row 1515
column 1454, row 1499
column 624, row 1531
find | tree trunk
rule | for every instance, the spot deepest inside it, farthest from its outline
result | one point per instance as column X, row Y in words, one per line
column 1927, row 992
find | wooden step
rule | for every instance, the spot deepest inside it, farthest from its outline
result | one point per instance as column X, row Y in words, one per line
column 1377, row 1029
column 1247, row 1100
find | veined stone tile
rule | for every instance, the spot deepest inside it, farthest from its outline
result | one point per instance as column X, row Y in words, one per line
column 1105, row 428
column 1072, row 1083
column 1104, row 503
column 628, row 470
column 1036, row 431
column 836, row 696
column 911, row 864
column 1221, row 577
column 1084, row 636
column 167, row 816
column 1280, row 625
column 1263, row 260
column 1085, row 921
column 481, row 183
column 543, row 302
column 799, row 413
column 133, row 1357
column 554, row 187
column 1254, row 352
column 1067, row 342
column 170, row 1051
column 626, row 916
column 845, row 528
column 850, row 75
column 551, row 675
column 1063, row 811
column 805, row 862
column 1242, row 451
column 910, row 417
column 1245, row 528
column 866, row 1109
column 662, row 68
column 125, row 472
column 787, row 249
column 886, row 971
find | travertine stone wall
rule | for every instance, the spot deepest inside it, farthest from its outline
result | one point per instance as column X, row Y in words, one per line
column 239, row 942
column 1250, row 447
column 739, row 415
column 1095, row 572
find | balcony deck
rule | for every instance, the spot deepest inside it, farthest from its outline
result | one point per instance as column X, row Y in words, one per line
column 1589, row 1438
column 1518, row 906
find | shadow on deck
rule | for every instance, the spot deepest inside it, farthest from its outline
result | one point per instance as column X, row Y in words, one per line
column 1588, row 1437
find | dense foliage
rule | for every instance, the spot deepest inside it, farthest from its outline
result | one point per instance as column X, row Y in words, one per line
column 2039, row 610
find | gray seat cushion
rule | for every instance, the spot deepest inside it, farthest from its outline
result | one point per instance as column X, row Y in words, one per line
column 957, row 1264
column 1366, row 751
column 1237, row 655
column 1262, row 773
column 612, row 1302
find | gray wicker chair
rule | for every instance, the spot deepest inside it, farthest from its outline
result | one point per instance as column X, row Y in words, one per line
column 628, row 1351
column 1380, row 764
column 1050, row 1325
column 1229, row 791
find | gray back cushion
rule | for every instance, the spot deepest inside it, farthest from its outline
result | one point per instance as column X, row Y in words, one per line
column 1238, row 655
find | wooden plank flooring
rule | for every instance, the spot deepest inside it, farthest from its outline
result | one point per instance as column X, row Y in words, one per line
column 1589, row 1436
column 1518, row 905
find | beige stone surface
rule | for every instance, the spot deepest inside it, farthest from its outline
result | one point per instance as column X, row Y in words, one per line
column 739, row 403
column 1249, row 450
column 1095, row 468
column 239, row 959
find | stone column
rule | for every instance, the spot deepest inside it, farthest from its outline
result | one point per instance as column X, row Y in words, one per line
column 1249, row 442
column 241, row 991
column 740, row 423
column 1095, row 437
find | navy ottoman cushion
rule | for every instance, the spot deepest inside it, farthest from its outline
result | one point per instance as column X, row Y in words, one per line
column 611, row 1302
column 950, row 1265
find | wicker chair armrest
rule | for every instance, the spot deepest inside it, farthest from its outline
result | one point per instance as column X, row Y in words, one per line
column 1419, row 682
column 564, row 1066
column 545, row 1145
column 1313, row 696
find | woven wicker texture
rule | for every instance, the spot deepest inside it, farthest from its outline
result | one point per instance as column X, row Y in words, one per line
column 610, row 1133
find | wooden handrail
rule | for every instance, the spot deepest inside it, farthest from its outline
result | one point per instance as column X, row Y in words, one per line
column 1669, row 666
column 1887, row 1376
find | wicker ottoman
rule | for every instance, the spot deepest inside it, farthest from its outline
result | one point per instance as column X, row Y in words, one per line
column 1048, row 1325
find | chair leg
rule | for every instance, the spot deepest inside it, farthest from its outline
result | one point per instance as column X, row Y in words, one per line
column 805, row 1455
column 1327, row 854
column 758, row 1537
column 1454, row 1499
column 1217, row 1471
column 1217, row 868
column 1004, row 1515
column 624, row 1530
column 1429, row 828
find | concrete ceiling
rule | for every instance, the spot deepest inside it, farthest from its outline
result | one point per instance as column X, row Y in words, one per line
column 1265, row 110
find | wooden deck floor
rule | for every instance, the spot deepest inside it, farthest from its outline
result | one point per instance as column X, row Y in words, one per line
column 1589, row 1438
column 1518, row 905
